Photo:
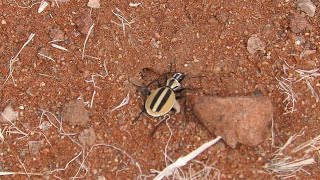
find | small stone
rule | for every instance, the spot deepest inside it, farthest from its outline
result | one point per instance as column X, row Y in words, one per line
column 8, row 115
column 84, row 23
column 45, row 125
column 299, row 24
column 298, row 40
column 154, row 43
column 3, row 22
column 222, row 17
column 244, row 120
column 157, row 35
column 94, row 4
column 43, row 54
column 174, row 40
column 56, row 34
column 101, row 178
column 255, row 44
column 34, row 147
column 152, row 19
column 75, row 113
column 306, row 6
column 87, row 137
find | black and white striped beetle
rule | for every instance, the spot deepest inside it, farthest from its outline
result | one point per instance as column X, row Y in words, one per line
column 163, row 99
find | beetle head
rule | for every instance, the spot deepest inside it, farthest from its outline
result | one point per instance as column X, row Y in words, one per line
column 178, row 76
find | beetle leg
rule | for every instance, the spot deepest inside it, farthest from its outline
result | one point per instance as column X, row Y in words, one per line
column 157, row 81
column 137, row 118
column 140, row 114
column 176, row 106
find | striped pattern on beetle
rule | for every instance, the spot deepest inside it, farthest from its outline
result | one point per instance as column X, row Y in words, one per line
column 163, row 99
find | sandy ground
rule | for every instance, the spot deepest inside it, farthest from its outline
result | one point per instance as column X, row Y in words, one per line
column 206, row 40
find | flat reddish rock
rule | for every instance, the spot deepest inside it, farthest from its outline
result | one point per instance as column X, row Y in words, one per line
column 244, row 120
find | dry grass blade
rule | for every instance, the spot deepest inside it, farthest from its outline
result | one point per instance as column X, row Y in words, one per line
column 59, row 47
column 307, row 73
column 85, row 41
column 123, row 21
column 1, row 135
column 285, row 86
column 14, row 59
column 311, row 89
column 24, row 7
column 289, row 141
column 272, row 133
column 287, row 166
column 307, row 76
column 203, row 173
column 124, row 102
column 43, row 6
column 135, row 163
column 20, row 173
column 93, row 81
column 311, row 144
column 135, row 4
column 13, row 129
column 182, row 161
column 50, row 58
column 166, row 118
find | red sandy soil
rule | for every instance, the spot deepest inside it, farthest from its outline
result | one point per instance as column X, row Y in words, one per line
column 202, row 38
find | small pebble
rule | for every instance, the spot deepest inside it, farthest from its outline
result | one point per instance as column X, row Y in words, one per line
column 157, row 35
column 101, row 178
column 3, row 22
column 255, row 44
column 174, row 40
column 307, row 6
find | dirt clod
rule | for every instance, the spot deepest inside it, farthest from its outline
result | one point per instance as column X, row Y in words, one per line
column 56, row 34
column 34, row 147
column 87, row 137
column 94, row 3
column 43, row 53
column 222, row 17
column 299, row 24
column 74, row 113
column 84, row 23
column 8, row 114
column 255, row 44
column 242, row 120
column 307, row 6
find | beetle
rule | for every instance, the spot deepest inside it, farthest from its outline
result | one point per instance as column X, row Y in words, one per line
column 163, row 99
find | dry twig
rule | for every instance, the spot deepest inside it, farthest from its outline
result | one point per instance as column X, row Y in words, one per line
column 285, row 86
column 182, row 161
column 85, row 41
column 14, row 59
column 123, row 21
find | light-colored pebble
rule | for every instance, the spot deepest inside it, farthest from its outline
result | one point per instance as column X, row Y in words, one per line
column 307, row 6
